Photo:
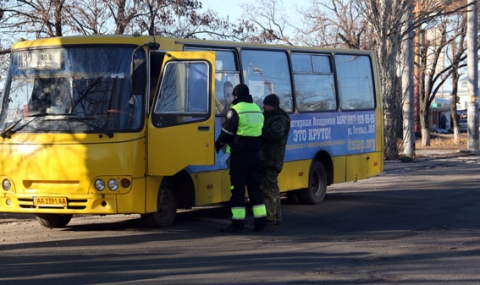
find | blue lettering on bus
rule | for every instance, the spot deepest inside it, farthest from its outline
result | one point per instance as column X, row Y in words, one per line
column 337, row 133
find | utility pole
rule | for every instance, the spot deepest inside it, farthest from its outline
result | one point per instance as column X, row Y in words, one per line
column 472, row 71
column 416, row 75
column 408, row 86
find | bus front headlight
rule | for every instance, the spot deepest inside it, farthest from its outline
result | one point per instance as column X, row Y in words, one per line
column 99, row 184
column 113, row 184
column 6, row 184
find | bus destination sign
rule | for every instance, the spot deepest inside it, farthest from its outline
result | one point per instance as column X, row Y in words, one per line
column 40, row 59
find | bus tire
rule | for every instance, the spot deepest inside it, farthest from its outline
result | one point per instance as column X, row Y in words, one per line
column 166, row 208
column 53, row 220
column 317, row 185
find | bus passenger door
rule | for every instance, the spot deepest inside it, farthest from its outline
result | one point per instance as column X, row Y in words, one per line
column 181, row 128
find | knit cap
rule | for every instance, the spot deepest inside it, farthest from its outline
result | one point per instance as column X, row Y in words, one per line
column 241, row 90
column 272, row 100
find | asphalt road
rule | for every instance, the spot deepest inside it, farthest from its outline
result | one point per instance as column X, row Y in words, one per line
column 417, row 223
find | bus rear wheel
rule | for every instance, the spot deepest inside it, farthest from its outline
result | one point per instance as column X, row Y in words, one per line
column 53, row 220
column 317, row 185
column 166, row 208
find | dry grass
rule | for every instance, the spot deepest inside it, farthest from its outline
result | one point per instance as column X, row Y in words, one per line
column 439, row 142
column 443, row 141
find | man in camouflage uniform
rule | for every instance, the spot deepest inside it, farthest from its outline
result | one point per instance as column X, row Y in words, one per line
column 274, row 140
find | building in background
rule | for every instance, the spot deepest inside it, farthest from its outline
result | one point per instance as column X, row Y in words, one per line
column 441, row 105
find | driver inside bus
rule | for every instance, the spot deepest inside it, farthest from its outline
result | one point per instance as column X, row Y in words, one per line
column 60, row 99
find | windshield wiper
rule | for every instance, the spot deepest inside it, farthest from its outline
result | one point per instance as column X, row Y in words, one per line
column 97, row 128
column 10, row 130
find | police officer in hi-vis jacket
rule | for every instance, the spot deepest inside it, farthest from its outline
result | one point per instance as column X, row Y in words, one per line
column 242, row 131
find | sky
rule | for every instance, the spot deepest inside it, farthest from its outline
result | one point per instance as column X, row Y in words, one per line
column 230, row 8
column 233, row 8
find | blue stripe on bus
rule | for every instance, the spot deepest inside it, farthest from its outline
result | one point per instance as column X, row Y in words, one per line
column 338, row 133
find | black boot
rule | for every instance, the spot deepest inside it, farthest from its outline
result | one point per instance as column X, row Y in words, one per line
column 260, row 224
column 272, row 223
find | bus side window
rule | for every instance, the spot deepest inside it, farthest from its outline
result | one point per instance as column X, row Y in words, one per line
column 228, row 76
column 227, row 72
column 183, row 95
column 314, row 82
column 355, row 81
column 268, row 72
column 197, row 97
column 219, row 100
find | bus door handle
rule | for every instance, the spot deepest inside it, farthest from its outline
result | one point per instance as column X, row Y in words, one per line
column 203, row 128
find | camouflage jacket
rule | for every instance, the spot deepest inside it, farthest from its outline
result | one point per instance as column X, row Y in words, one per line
column 275, row 132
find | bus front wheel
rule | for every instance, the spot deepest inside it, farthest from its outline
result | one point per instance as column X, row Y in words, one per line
column 53, row 220
column 317, row 185
column 166, row 208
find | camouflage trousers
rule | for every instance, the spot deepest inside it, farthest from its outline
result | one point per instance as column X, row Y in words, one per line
column 271, row 194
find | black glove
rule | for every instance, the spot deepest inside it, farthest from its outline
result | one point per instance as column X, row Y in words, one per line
column 218, row 146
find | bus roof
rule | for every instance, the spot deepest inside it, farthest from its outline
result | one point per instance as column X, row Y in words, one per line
column 165, row 43
column 81, row 40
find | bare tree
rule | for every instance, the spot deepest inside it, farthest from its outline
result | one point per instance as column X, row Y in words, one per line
column 386, row 19
column 89, row 17
column 123, row 12
column 4, row 56
column 432, row 69
column 332, row 23
column 457, row 56
column 4, row 50
column 446, row 29
column 175, row 18
column 272, row 25
column 180, row 18
column 346, row 28
column 197, row 25
column 39, row 17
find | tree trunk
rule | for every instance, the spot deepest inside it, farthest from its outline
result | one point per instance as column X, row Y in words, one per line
column 453, row 106
column 424, row 127
column 389, row 83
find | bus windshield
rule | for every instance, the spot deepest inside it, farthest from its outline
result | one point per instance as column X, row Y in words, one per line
column 71, row 89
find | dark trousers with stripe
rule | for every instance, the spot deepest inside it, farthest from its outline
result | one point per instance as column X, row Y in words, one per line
column 245, row 172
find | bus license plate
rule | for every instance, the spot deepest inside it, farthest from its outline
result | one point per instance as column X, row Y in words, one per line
column 50, row 201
